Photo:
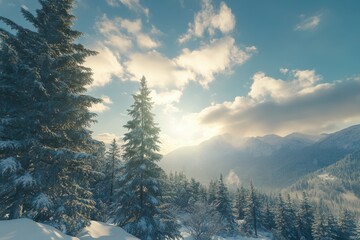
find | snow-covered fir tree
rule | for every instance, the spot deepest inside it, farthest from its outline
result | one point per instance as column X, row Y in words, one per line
column 305, row 217
column 16, row 182
column 240, row 203
column 347, row 225
column 252, row 210
column 223, row 205
column 319, row 227
column 113, row 167
column 137, row 204
column 357, row 232
column 268, row 217
column 51, row 173
column 212, row 192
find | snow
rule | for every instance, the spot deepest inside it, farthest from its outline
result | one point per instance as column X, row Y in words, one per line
column 326, row 177
column 9, row 165
column 23, row 229
column 42, row 201
column 9, row 145
column 25, row 180
column 104, row 231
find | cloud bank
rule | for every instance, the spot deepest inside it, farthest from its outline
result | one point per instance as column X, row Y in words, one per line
column 301, row 104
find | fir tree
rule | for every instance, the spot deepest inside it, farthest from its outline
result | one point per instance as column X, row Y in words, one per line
column 223, row 206
column 283, row 223
column 346, row 225
column 357, row 232
column 305, row 218
column 268, row 216
column 212, row 192
column 319, row 228
column 240, row 205
column 113, row 166
column 292, row 233
column 53, row 169
column 138, row 207
column 252, row 210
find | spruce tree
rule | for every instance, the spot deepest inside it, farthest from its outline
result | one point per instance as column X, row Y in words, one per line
column 357, row 232
column 240, row 204
column 224, row 207
column 347, row 225
column 113, row 167
column 319, row 227
column 52, row 165
column 268, row 217
column 252, row 210
column 290, row 219
column 212, row 192
column 138, row 207
column 305, row 217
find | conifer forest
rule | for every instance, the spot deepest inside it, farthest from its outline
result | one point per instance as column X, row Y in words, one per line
column 55, row 171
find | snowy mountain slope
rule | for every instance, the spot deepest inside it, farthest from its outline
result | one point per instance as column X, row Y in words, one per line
column 26, row 229
column 338, row 185
column 269, row 161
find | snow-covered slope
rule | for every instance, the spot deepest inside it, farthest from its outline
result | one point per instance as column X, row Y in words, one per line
column 23, row 229
column 103, row 231
column 26, row 229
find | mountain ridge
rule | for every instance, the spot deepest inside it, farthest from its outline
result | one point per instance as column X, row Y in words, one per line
column 269, row 161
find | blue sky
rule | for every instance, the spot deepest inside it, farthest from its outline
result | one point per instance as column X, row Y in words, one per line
column 247, row 68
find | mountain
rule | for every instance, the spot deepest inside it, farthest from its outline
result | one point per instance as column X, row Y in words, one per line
column 270, row 161
column 338, row 185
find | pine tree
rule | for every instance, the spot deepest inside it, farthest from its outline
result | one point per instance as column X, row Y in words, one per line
column 212, row 192
column 252, row 210
column 223, row 206
column 138, row 207
column 53, row 162
column 305, row 217
column 240, row 205
column 292, row 233
column 283, row 222
column 113, row 166
column 347, row 225
column 332, row 225
column 357, row 232
column 268, row 216
column 319, row 228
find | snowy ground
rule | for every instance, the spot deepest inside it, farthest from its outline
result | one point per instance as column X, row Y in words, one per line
column 262, row 236
column 26, row 229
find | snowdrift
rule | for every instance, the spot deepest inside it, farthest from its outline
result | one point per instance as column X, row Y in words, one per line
column 103, row 231
column 26, row 229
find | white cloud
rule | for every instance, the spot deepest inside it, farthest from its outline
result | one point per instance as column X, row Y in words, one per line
column 163, row 98
column 217, row 57
column 123, row 34
column 160, row 71
column 104, row 66
column 145, row 41
column 133, row 5
column 302, row 104
column 210, row 20
column 267, row 88
column 167, row 99
column 103, row 106
column 107, row 138
column 308, row 23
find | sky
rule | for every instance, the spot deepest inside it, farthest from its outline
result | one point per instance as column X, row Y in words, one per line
column 245, row 68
